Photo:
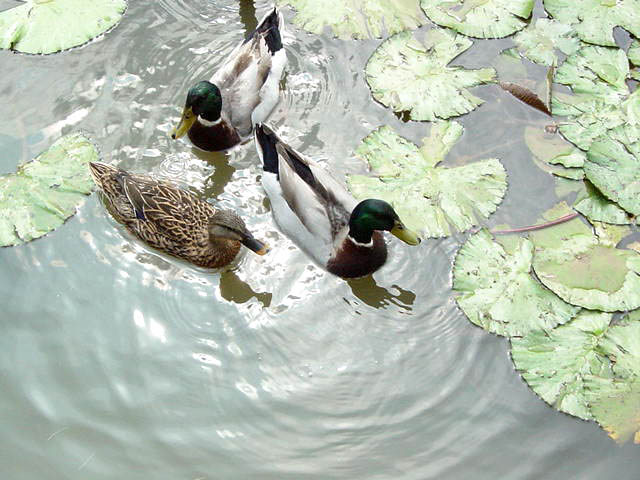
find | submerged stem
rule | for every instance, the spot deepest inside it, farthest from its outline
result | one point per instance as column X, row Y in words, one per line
column 530, row 228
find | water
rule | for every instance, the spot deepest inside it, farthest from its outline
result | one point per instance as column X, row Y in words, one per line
column 118, row 362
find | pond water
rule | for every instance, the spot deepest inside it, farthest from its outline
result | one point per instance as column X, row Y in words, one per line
column 119, row 362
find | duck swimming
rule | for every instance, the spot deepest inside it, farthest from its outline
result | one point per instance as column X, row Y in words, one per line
column 173, row 220
column 221, row 112
column 320, row 216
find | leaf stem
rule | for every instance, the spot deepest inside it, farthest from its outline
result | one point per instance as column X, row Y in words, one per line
column 530, row 228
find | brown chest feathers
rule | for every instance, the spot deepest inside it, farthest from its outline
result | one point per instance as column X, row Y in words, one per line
column 214, row 138
column 352, row 260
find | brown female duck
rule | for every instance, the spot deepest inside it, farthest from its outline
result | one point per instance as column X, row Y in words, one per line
column 174, row 220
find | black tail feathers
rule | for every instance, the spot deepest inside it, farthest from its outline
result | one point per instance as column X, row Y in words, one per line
column 270, row 30
column 267, row 141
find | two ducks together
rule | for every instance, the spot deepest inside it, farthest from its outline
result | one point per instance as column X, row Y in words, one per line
column 308, row 203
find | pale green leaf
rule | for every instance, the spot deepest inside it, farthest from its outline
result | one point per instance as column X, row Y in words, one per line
column 357, row 18
column 49, row 26
column 540, row 40
column 480, row 18
column 614, row 168
column 554, row 363
column 634, row 53
column 412, row 76
column 498, row 293
column 594, row 20
column 593, row 205
column 43, row 193
column 437, row 201
column 585, row 270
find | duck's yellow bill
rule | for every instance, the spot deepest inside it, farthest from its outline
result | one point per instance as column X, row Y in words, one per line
column 187, row 120
column 404, row 234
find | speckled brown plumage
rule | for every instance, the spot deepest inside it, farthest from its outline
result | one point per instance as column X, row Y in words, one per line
column 165, row 216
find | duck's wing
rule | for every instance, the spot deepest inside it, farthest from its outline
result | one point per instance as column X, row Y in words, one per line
column 309, row 201
column 249, row 80
column 175, row 213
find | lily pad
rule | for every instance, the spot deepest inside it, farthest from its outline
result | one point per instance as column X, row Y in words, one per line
column 583, row 269
column 558, row 156
column 601, row 104
column 614, row 168
column 480, row 18
column 594, row 20
column 436, row 201
column 555, row 363
column 49, row 26
column 411, row 76
column 43, row 193
column 597, row 208
column 498, row 292
column 357, row 18
column 540, row 40
column 634, row 53
column 615, row 402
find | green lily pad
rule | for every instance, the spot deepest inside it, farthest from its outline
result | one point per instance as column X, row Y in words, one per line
column 480, row 18
column 357, row 18
column 594, row 20
column 42, row 194
column 408, row 75
column 540, row 40
column 49, row 26
column 557, row 156
column 436, row 201
column 497, row 291
column 597, row 208
column 601, row 104
column 614, row 168
column 554, row 363
column 583, row 269
column 615, row 405
column 634, row 53
column 597, row 71
column 615, row 402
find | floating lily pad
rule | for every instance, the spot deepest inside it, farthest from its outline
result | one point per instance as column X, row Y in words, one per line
column 634, row 53
column 554, row 363
column 597, row 208
column 594, row 20
column 408, row 75
column 480, row 18
column 583, row 269
column 436, row 201
column 540, row 40
column 497, row 291
column 49, row 26
column 614, row 168
column 558, row 156
column 357, row 18
column 615, row 402
column 601, row 104
column 43, row 193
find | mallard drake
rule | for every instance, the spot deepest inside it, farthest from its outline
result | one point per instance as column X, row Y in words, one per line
column 317, row 213
column 174, row 220
column 221, row 112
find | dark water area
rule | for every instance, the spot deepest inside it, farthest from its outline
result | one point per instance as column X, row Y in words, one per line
column 120, row 362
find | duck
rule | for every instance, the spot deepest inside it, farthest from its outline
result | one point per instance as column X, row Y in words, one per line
column 316, row 211
column 220, row 113
column 173, row 220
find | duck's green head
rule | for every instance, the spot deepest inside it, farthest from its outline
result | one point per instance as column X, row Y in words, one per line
column 373, row 214
column 204, row 101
